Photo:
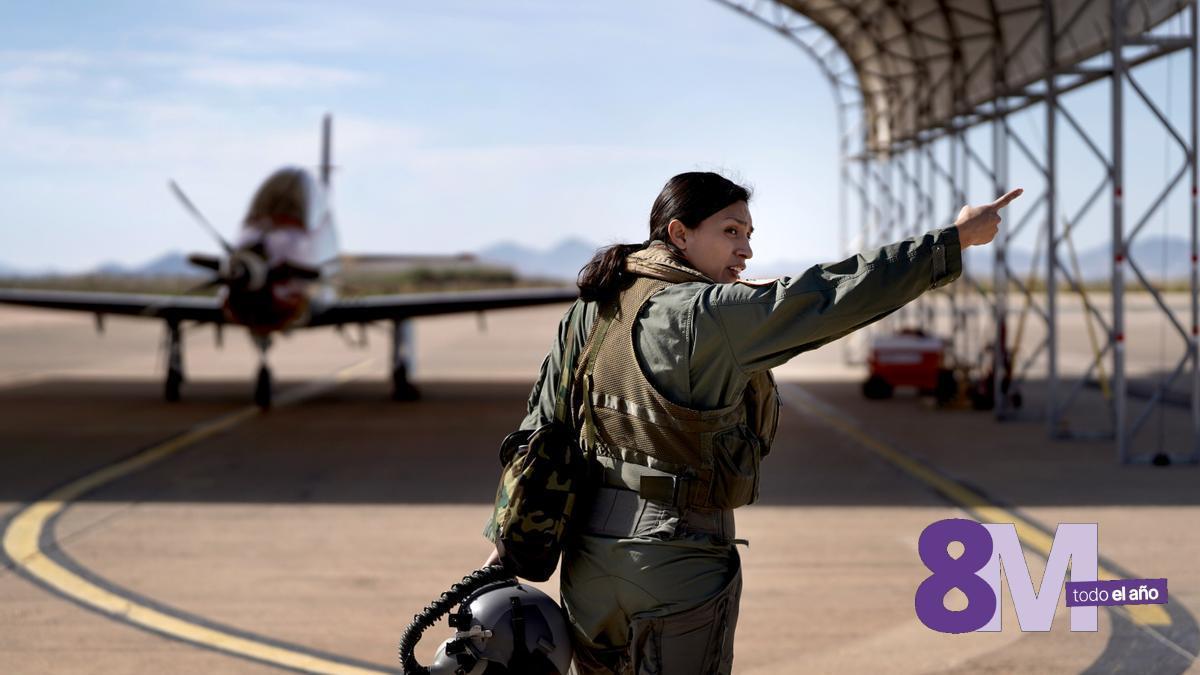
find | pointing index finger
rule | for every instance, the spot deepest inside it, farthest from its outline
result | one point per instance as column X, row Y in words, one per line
column 1004, row 201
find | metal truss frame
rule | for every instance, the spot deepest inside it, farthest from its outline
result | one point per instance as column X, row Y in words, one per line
column 897, row 186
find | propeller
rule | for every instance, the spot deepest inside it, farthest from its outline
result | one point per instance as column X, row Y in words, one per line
column 191, row 208
column 245, row 266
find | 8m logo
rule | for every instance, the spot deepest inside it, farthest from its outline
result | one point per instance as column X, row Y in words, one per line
column 977, row 574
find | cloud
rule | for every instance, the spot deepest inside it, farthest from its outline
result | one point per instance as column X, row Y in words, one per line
column 30, row 76
column 45, row 57
column 136, row 134
column 507, row 158
column 28, row 68
column 249, row 74
column 329, row 33
column 113, row 71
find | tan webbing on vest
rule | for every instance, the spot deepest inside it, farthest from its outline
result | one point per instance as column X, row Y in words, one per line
column 623, row 416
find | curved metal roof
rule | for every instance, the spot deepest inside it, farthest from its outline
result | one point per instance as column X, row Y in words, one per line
column 923, row 62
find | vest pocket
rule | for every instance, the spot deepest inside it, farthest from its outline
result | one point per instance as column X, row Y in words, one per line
column 736, row 457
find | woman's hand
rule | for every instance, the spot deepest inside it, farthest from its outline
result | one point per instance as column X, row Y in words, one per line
column 979, row 224
column 492, row 559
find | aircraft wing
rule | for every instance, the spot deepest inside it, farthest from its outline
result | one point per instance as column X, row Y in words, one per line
column 408, row 305
column 178, row 307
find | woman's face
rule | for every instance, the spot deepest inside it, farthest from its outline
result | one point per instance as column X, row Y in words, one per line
column 720, row 245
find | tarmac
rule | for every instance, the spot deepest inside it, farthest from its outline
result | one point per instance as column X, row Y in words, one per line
column 203, row 536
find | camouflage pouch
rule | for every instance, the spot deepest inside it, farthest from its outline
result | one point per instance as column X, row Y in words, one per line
column 545, row 475
column 540, row 488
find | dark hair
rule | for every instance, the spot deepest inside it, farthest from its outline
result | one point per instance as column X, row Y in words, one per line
column 689, row 198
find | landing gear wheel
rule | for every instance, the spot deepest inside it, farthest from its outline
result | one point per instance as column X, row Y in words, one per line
column 262, row 388
column 1017, row 400
column 876, row 388
column 947, row 386
column 402, row 389
column 171, row 388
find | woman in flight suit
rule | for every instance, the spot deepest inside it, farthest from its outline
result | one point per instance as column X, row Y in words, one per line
column 672, row 395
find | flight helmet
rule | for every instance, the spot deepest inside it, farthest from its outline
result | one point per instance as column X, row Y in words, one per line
column 506, row 628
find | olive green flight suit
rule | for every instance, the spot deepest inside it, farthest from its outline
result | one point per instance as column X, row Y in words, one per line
column 699, row 343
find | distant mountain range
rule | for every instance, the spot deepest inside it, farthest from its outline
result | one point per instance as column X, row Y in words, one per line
column 7, row 270
column 171, row 264
column 1095, row 264
column 564, row 260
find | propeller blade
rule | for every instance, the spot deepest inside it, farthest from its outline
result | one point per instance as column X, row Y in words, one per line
column 206, row 261
column 191, row 208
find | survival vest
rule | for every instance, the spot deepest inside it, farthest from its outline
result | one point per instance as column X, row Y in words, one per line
column 714, row 455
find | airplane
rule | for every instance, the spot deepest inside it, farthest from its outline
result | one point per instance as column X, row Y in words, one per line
column 280, row 276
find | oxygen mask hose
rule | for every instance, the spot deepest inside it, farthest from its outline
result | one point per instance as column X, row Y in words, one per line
column 439, row 608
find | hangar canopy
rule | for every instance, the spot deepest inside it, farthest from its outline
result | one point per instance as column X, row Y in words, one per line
column 922, row 63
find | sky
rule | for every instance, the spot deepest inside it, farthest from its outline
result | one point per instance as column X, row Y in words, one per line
column 457, row 125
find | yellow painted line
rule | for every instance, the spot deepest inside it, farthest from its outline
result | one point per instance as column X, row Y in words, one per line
column 967, row 499
column 22, row 537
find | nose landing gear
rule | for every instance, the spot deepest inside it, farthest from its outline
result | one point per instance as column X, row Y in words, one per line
column 262, row 385
column 174, row 362
column 402, row 389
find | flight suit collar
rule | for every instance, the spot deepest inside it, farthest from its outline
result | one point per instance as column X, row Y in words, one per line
column 658, row 261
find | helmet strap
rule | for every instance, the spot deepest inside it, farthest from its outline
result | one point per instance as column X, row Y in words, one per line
column 520, row 649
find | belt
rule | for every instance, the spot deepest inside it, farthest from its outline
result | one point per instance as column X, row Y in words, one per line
column 619, row 512
column 651, row 484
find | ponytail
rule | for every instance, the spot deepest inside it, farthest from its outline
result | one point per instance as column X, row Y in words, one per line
column 604, row 277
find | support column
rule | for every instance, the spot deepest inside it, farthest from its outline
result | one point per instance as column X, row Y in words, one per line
column 958, row 320
column 1000, row 360
column 863, row 337
column 1195, row 288
column 1053, row 423
column 843, row 204
column 961, row 173
column 1117, row 10
column 843, row 178
column 864, row 215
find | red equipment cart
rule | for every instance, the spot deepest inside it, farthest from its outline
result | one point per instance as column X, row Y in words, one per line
column 909, row 358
